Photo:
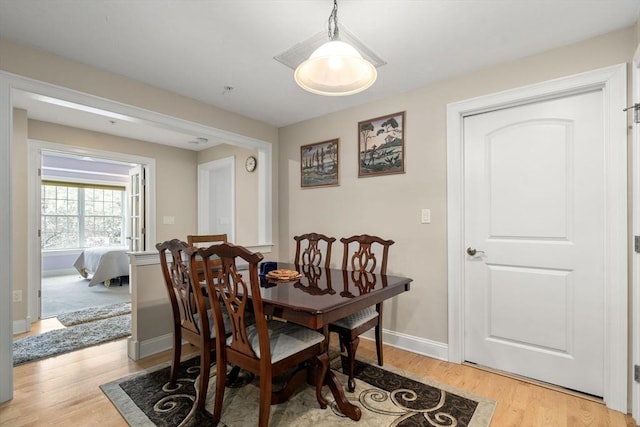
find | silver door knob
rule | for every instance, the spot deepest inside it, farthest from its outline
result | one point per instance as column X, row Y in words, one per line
column 473, row 252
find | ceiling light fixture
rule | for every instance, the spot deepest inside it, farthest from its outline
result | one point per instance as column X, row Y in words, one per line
column 335, row 68
column 199, row 140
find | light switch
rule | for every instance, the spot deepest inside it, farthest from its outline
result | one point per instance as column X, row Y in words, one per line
column 425, row 216
column 167, row 220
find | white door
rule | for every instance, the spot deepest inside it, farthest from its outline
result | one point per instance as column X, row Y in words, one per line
column 137, row 213
column 216, row 197
column 534, row 214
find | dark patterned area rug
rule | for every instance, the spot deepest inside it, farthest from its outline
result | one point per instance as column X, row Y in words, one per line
column 386, row 397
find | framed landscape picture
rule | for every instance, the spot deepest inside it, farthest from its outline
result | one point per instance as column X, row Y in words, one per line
column 381, row 145
column 319, row 164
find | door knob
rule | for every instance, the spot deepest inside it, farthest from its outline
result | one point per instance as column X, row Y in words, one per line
column 473, row 252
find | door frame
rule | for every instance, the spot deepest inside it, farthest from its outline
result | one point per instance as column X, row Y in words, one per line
column 612, row 82
column 34, row 258
column 635, row 281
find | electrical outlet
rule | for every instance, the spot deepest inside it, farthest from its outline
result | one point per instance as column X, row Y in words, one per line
column 17, row 296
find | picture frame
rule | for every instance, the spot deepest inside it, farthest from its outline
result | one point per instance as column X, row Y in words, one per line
column 320, row 164
column 381, row 145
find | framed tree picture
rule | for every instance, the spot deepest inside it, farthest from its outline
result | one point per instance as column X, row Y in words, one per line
column 319, row 164
column 381, row 145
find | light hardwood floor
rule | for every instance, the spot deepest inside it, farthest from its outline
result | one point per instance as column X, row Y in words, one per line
column 63, row 390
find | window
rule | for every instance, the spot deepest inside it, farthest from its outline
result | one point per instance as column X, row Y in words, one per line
column 78, row 216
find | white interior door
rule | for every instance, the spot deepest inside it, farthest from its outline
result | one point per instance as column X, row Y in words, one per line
column 137, row 212
column 534, row 214
column 216, row 197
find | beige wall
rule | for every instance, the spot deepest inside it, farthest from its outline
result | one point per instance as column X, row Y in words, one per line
column 390, row 206
column 19, row 210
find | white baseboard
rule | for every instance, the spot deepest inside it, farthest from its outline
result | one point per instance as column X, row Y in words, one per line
column 60, row 272
column 140, row 349
column 422, row 346
column 21, row 326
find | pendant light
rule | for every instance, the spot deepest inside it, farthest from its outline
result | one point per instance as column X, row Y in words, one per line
column 335, row 68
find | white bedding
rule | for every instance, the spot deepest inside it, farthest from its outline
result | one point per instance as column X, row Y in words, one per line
column 103, row 264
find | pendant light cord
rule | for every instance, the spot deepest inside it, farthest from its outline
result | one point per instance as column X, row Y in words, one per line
column 334, row 33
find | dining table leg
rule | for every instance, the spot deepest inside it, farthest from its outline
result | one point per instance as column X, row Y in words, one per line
column 337, row 389
column 346, row 407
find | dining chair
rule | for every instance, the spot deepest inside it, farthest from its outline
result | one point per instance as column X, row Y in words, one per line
column 312, row 253
column 191, row 319
column 267, row 347
column 360, row 257
column 311, row 249
column 203, row 240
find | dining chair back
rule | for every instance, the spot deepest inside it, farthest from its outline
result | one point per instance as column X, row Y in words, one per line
column 201, row 240
column 265, row 347
column 316, row 248
column 362, row 257
column 191, row 319
column 204, row 240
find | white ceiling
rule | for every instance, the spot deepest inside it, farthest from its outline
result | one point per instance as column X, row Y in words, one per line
column 197, row 47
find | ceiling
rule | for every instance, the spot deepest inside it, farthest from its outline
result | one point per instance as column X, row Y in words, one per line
column 197, row 48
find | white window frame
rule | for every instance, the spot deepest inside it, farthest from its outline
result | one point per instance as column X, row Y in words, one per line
column 81, row 214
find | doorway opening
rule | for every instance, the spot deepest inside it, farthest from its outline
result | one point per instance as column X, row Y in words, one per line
column 78, row 256
column 86, row 208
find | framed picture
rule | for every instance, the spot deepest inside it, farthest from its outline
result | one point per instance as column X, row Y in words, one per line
column 319, row 164
column 381, row 145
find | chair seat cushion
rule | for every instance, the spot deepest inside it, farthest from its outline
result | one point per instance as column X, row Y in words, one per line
column 285, row 339
column 225, row 319
column 356, row 319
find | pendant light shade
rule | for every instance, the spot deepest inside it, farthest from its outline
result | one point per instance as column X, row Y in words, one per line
column 335, row 68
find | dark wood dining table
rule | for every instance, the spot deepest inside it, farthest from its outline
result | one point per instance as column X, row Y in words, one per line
column 321, row 296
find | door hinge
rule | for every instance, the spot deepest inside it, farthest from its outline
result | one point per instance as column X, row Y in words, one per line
column 39, row 293
column 636, row 373
column 636, row 243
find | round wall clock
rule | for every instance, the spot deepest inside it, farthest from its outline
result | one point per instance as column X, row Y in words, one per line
column 250, row 164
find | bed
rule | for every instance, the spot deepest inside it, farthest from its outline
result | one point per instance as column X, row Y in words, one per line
column 103, row 264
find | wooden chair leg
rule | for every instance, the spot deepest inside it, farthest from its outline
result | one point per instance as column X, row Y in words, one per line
column 205, row 369
column 175, row 362
column 265, row 400
column 378, row 331
column 352, row 346
column 322, row 365
column 221, row 382
column 232, row 375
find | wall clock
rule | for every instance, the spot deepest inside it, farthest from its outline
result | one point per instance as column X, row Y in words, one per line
column 250, row 164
